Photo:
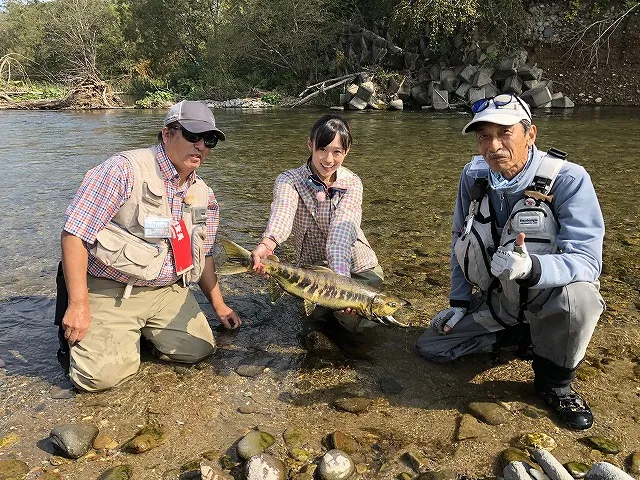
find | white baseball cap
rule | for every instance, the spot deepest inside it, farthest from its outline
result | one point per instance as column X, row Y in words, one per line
column 504, row 109
column 193, row 116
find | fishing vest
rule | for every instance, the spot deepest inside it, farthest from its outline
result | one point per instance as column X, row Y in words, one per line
column 532, row 215
column 122, row 243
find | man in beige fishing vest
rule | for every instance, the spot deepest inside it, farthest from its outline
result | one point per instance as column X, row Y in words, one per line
column 140, row 229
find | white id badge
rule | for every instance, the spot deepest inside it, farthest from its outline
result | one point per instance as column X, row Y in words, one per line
column 157, row 227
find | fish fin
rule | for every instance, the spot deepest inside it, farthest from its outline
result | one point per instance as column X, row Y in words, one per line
column 318, row 268
column 231, row 269
column 309, row 307
column 275, row 290
column 273, row 258
column 235, row 252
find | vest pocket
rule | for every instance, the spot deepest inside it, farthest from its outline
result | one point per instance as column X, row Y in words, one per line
column 473, row 257
column 128, row 254
column 198, row 237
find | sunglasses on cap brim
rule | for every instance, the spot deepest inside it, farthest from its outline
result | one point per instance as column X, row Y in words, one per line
column 499, row 101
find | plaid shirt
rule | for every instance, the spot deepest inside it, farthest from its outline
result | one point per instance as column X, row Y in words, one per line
column 106, row 188
column 325, row 221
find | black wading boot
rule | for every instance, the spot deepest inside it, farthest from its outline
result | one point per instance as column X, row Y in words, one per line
column 553, row 384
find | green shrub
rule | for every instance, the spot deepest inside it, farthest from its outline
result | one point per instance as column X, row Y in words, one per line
column 271, row 98
column 157, row 99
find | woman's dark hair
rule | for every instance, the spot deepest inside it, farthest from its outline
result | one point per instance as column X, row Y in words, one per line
column 326, row 128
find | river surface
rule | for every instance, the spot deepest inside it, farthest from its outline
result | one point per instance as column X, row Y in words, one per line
column 409, row 163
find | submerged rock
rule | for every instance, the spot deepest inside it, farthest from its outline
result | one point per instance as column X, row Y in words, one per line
column 489, row 412
column 147, row 438
column 119, row 472
column 470, row 427
column 605, row 445
column 335, row 465
column 513, row 454
column 254, row 443
column 352, row 404
column 250, row 370
column 532, row 441
column 10, row 469
column 8, row 440
column 73, row 440
column 339, row 440
column 577, row 469
column 264, row 467
column 634, row 463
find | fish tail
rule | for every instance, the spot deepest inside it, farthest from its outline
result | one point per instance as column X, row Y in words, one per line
column 239, row 259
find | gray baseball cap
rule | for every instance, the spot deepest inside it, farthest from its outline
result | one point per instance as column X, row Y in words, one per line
column 194, row 116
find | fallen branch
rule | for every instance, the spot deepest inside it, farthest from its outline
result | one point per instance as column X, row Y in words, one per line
column 322, row 89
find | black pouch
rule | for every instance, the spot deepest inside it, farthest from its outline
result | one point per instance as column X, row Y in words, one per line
column 62, row 300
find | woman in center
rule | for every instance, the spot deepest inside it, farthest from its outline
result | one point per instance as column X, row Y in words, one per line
column 320, row 203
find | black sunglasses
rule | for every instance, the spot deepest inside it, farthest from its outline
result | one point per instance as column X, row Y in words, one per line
column 210, row 138
column 499, row 101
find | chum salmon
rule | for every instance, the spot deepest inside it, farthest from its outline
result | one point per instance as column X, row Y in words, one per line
column 317, row 285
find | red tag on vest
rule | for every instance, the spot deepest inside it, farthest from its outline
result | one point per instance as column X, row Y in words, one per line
column 181, row 246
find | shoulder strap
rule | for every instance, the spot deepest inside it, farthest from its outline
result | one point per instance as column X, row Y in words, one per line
column 548, row 170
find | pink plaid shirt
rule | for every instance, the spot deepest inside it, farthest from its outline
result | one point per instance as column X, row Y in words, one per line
column 106, row 188
column 325, row 221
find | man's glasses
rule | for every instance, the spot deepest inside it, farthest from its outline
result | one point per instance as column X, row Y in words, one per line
column 499, row 101
column 210, row 138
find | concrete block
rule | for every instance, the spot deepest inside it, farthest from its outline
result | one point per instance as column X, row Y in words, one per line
column 404, row 93
column 467, row 74
column 433, row 86
column 480, row 79
column 434, row 72
column 366, row 91
column 352, row 89
column 509, row 65
column 423, row 99
column 490, row 90
column 410, row 60
column 475, row 93
column 562, row 102
column 463, row 90
column 537, row 97
column 392, row 86
column 417, row 89
column 440, row 99
column 345, row 98
column 513, row 84
column 450, row 84
column 396, row 104
column 530, row 72
column 356, row 103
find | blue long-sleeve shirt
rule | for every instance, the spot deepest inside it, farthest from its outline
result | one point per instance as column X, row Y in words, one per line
column 580, row 235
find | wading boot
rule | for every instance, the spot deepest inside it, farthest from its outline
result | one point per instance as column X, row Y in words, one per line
column 570, row 407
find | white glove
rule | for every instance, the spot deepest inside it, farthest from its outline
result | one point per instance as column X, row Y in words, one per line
column 447, row 318
column 513, row 264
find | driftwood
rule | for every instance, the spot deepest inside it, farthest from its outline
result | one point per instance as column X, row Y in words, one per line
column 323, row 86
column 88, row 94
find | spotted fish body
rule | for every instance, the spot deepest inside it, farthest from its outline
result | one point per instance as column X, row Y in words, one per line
column 321, row 286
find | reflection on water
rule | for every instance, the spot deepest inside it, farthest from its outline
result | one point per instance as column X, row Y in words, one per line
column 409, row 163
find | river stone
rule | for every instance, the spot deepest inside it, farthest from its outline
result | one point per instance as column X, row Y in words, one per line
column 339, row 440
column 209, row 470
column 533, row 412
column 531, row 441
column 438, row 475
column 391, row 386
column 606, row 471
column 13, row 469
column 634, row 463
column 405, row 476
column 104, row 442
column 415, row 460
column 147, row 438
column 294, row 437
column 319, row 344
column 513, row 454
column 59, row 393
column 577, row 469
column 469, row 427
column 248, row 409
column 119, row 472
column 73, row 440
column 335, row 465
column 254, row 443
column 538, row 475
column 489, row 412
column 352, row 404
column 264, row 467
column 515, row 471
column 605, row 445
column 8, row 440
column 550, row 465
column 249, row 370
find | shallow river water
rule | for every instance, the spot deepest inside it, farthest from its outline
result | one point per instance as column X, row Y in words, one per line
column 409, row 163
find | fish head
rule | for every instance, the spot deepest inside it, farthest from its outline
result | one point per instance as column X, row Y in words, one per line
column 385, row 304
